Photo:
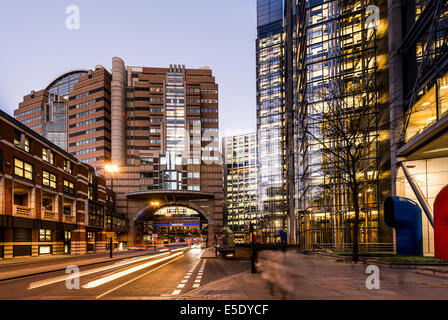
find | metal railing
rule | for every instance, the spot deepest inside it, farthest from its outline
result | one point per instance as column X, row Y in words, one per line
column 347, row 247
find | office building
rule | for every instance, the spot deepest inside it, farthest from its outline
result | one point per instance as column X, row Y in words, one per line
column 74, row 113
column 50, row 202
column 158, row 125
column 270, row 119
column 240, row 184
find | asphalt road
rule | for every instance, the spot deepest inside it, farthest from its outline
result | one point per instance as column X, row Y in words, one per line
column 163, row 275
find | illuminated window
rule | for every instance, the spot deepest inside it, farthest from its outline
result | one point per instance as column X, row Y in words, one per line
column 23, row 169
column 48, row 179
column 45, row 235
column 69, row 187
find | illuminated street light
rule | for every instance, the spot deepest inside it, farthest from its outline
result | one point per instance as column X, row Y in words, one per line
column 111, row 169
column 155, row 203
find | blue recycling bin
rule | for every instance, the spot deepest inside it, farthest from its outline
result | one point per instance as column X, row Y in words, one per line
column 405, row 216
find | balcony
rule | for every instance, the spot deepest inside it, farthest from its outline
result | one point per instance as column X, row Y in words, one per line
column 23, row 211
column 49, row 215
column 69, row 219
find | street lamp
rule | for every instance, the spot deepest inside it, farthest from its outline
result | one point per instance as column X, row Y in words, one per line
column 111, row 169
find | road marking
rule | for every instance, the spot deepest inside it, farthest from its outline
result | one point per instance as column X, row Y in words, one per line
column 196, row 285
column 185, row 280
column 132, row 280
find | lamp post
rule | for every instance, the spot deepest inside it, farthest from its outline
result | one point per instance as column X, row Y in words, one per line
column 111, row 169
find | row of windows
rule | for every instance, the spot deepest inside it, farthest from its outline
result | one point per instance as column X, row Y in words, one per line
column 80, row 143
column 88, row 93
column 150, row 99
column 25, row 170
column 81, row 133
column 76, row 153
column 31, row 119
column 25, row 113
column 86, row 103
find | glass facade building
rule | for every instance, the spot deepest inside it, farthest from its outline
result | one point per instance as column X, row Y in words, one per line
column 340, row 79
column 240, row 183
column 270, row 119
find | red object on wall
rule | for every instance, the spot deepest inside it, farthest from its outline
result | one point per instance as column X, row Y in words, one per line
column 441, row 224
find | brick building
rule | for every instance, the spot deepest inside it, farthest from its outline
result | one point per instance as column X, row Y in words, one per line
column 158, row 125
column 50, row 202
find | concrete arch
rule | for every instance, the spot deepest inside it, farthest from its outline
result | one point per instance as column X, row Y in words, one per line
column 188, row 204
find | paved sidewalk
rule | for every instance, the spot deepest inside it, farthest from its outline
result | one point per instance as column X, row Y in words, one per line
column 10, row 269
column 295, row 276
column 208, row 253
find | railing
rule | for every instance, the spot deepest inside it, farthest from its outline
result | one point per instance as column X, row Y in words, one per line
column 22, row 211
column 49, row 214
column 362, row 247
column 68, row 218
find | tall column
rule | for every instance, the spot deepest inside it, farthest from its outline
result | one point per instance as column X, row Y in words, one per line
column 289, row 121
column 118, row 111
column 395, row 85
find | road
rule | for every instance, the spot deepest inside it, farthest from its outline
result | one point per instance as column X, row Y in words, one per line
column 162, row 275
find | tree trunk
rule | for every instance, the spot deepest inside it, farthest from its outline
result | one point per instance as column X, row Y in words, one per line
column 355, row 252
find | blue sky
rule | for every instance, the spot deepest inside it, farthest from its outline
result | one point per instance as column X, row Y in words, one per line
column 36, row 46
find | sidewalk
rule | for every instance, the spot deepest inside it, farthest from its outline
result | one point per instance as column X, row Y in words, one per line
column 37, row 265
column 296, row 276
column 208, row 253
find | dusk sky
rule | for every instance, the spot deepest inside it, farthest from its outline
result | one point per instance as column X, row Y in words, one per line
column 36, row 46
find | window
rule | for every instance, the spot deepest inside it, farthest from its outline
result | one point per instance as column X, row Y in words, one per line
column 45, row 249
column 23, row 169
column 45, row 235
column 47, row 155
column 89, row 235
column 69, row 187
column 27, row 144
column 48, row 179
column 67, row 166
column 17, row 139
column 67, row 235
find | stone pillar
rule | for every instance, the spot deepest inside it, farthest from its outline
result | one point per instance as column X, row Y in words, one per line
column 78, row 243
column 8, row 247
column 35, row 242
column 118, row 111
column 100, row 241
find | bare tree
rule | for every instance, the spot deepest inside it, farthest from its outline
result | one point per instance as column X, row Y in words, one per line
column 342, row 122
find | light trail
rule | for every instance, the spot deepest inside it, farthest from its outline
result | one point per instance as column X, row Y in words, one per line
column 47, row 282
column 101, row 281
column 136, row 278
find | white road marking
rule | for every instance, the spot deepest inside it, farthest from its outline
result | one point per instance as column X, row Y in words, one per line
column 175, row 292
column 180, row 286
